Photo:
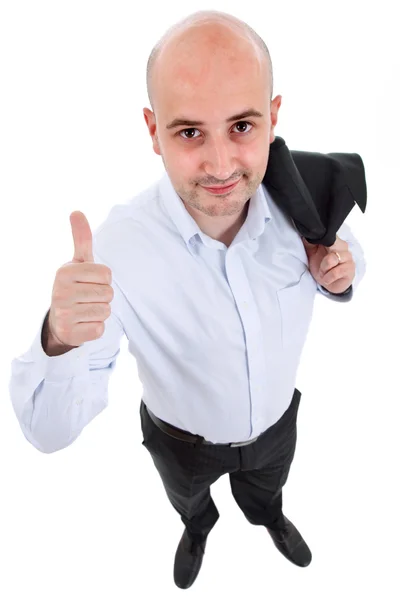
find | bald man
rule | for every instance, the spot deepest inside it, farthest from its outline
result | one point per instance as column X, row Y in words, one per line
column 213, row 288
column 212, row 123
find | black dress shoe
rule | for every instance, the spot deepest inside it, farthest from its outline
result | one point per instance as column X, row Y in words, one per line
column 188, row 559
column 290, row 543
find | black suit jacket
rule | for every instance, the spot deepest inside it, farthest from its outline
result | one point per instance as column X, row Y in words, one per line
column 317, row 191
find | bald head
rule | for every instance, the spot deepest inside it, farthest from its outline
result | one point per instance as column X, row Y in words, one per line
column 192, row 46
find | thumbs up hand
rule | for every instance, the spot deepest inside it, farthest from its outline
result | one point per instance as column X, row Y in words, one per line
column 324, row 265
column 81, row 293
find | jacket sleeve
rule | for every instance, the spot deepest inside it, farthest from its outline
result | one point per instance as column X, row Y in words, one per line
column 356, row 250
column 55, row 397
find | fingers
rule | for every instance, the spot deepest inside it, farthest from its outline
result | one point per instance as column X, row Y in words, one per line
column 84, row 273
column 331, row 270
column 82, row 293
column 344, row 271
column 331, row 261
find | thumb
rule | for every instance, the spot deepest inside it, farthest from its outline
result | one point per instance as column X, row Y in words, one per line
column 82, row 235
column 309, row 248
column 306, row 243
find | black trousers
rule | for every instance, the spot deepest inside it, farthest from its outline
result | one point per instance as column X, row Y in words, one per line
column 257, row 472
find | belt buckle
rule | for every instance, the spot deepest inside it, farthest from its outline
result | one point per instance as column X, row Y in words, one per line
column 236, row 444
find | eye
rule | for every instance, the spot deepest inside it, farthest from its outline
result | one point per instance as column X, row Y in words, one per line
column 186, row 130
column 241, row 123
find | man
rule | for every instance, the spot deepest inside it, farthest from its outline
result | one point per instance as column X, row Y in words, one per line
column 213, row 287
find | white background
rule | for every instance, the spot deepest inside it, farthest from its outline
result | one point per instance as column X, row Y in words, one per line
column 93, row 520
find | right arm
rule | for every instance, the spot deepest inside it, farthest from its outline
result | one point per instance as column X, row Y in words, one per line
column 61, row 383
column 55, row 397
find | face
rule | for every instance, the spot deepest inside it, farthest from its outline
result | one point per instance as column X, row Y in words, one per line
column 213, row 121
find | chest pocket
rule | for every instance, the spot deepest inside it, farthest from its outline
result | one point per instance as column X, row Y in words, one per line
column 296, row 306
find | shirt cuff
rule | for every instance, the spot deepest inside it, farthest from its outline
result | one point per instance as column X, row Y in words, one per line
column 345, row 296
column 73, row 363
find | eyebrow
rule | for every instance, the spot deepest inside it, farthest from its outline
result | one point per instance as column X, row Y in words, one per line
column 243, row 115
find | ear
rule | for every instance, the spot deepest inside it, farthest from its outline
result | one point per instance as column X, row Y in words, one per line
column 150, row 119
column 275, row 105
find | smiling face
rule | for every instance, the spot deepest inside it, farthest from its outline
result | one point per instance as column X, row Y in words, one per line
column 213, row 121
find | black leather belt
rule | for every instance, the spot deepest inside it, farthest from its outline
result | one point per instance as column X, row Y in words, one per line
column 180, row 434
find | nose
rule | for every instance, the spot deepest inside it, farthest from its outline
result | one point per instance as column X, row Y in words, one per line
column 219, row 161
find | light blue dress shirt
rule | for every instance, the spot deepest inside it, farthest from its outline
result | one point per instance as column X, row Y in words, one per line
column 217, row 332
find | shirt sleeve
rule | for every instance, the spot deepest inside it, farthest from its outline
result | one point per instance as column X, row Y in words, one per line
column 356, row 250
column 55, row 397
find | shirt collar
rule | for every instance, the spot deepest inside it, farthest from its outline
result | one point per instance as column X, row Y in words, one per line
column 258, row 214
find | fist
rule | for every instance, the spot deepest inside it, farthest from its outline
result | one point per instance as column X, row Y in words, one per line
column 325, row 267
column 82, row 292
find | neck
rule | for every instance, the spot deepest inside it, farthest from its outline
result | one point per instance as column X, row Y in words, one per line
column 223, row 229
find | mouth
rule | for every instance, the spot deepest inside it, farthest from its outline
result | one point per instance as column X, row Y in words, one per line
column 221, row 190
